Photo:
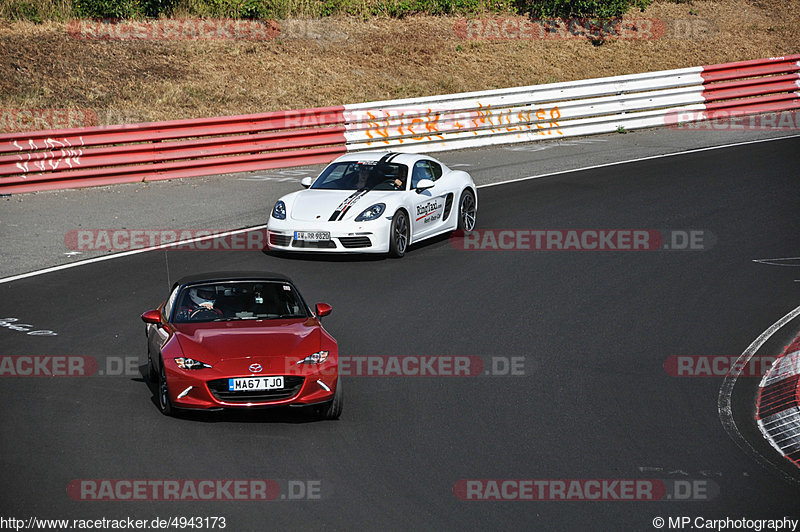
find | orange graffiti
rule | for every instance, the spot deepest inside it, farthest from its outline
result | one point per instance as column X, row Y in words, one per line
column 555, row 114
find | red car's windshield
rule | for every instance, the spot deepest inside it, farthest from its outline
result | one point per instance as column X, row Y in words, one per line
column 239, row 300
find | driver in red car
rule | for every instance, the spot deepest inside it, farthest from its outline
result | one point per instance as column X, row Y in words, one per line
column 202, row 297
column 200, row 301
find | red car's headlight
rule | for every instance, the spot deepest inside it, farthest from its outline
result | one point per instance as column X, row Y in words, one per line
column 190, row 363
column 316, row 358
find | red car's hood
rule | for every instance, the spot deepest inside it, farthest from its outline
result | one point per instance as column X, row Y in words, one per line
column 216, row 342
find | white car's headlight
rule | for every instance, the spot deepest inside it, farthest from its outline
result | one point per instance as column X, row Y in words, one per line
column 279, row 210
column 370, row 213
column 316, row 358
column 190, row 363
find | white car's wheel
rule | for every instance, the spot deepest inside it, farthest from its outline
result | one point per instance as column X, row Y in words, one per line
column 399, row 234
column 467, row 212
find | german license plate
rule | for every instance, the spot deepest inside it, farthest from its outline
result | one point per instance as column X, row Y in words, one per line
column 312, row 236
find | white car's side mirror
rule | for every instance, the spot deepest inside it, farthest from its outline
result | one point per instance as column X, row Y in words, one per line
column 306, row 181
column 424, row 184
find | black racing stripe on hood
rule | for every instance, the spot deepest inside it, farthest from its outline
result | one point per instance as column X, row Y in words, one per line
column 344, row 205
column 352, row 202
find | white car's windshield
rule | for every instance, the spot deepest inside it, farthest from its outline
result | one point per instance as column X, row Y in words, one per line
column 360, row 175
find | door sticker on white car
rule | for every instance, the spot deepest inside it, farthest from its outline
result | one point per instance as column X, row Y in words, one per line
column 430, row 211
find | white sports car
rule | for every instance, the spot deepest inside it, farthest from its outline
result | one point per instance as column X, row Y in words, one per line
column 374, row 202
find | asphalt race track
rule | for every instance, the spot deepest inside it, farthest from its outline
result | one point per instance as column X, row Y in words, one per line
column 594, row 402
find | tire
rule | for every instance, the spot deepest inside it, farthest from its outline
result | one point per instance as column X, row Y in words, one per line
column 162, row 390
column 399, row 234
column 150, row 376
column 467, row 212
column 332, row 409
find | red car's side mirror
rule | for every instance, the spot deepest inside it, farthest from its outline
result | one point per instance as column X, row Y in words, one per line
column 323, row 309
column 152, row 316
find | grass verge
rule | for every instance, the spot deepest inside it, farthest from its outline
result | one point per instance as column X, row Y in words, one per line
column 338, row 60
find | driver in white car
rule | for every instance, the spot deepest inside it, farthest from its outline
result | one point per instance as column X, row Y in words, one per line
column 365, row 173
column 363, row 176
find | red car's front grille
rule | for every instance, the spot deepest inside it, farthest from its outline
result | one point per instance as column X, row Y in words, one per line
column 291, row 387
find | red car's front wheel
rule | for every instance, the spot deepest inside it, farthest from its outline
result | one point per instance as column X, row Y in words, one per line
column 164, row 402
column 332, row 409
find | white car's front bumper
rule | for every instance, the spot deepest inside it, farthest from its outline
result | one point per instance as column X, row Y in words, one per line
column 346, row 237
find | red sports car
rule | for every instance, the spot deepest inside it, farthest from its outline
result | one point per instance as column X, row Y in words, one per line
column 241, row 340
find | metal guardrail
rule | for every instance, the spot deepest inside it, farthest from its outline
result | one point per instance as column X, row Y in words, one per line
column 54, row 159
column 43, row 160
column 583, row 107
